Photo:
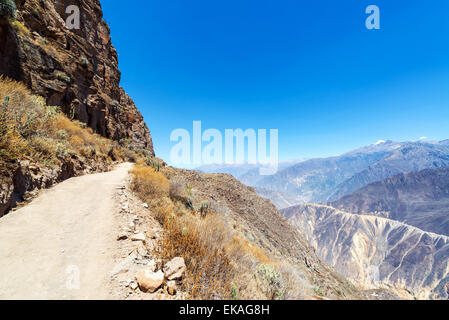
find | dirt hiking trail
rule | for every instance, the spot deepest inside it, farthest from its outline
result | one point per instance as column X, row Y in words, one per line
column 61, row 245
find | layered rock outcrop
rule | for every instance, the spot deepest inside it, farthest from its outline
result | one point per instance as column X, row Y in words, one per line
column 75, row 69
column 376, row 251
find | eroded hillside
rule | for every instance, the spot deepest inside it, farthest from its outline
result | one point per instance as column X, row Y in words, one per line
column 375, row 251
column 226, row 232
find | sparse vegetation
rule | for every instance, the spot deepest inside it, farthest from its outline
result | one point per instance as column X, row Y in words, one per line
column 178, row 188
column 31, row 129
column 204, row 208
column 154, row 163
column 63, row 77
column 20, row 27
column 221, row 262
column 8, row 9
column 274, row 284
column 149, row 183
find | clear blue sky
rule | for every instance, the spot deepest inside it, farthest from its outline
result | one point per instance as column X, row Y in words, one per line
column 308, row 68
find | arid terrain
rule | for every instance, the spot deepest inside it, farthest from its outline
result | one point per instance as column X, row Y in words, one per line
column 87, row 210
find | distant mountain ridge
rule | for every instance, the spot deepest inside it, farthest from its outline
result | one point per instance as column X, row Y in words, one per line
column 323, row 180
column 420, row 199
column 410, row 157
column 391, row 232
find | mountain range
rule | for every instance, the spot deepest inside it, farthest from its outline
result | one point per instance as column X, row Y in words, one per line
column 378, row 214
column 419, row 199
column 323, row 180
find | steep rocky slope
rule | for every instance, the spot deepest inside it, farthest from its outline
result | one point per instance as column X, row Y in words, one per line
column 248, row 174
column 279, row 199
column 261, row 222
column 376, row 251
column 420, row 199
column 74, row 69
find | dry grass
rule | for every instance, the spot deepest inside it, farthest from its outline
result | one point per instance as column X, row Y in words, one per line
column 200, row 241
column 19, row 27
column 221, row 262
column 31, row 129
column 149, row 183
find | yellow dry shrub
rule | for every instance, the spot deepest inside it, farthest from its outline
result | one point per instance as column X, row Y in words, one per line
column 210, row 273
column 12, row 145
column 43, row 148
column 30, row 128
column 148, row 183
column 76, row 142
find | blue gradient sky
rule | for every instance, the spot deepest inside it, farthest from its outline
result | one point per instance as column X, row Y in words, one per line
column 308, row 68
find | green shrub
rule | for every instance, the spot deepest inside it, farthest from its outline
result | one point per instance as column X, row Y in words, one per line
column 8, row 9
column 63, row 77
column 84, row 62
column 20, row 27
column 271, row 281
column 204, row 208
column 154, row 163
column 234, row 292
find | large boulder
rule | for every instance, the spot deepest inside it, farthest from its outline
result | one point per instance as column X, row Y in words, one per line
column 175, row 268
column 150, row 281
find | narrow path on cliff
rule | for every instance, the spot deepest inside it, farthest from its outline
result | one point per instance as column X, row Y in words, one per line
column 61, row 245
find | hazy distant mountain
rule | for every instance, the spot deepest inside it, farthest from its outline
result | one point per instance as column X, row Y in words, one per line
column 315, row 180
column 410, row 157
column 279, row 199
column 419, row 199
column 236, row 170
column 394, row 231
column 328, row 179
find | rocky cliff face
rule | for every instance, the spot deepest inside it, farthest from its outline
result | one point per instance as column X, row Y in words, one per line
column 74, row 69
column 375, row 251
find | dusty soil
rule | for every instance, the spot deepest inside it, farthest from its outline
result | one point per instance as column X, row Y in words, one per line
column 65, row 235
column 63, row 245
